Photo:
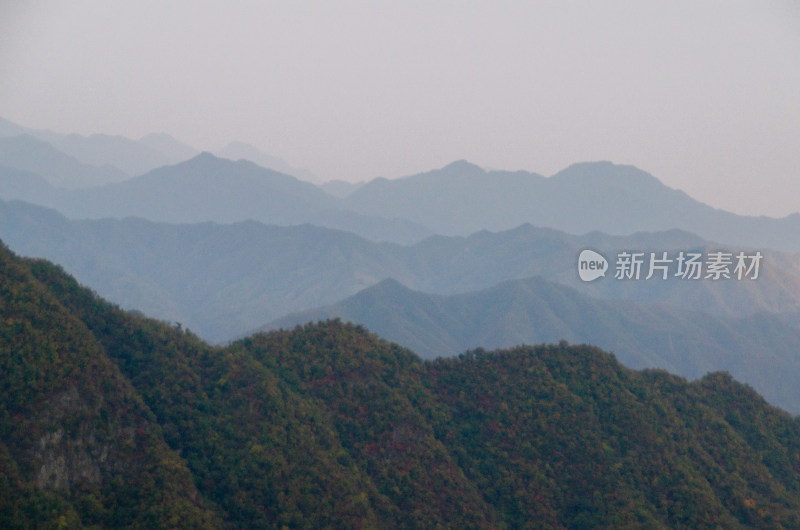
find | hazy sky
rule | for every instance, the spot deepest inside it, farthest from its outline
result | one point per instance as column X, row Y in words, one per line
column 705, row 95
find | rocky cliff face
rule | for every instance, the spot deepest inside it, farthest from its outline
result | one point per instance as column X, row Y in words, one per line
column 66, row 455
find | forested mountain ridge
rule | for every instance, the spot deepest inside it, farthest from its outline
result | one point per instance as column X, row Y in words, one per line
column 761, row 350
column 328, row 426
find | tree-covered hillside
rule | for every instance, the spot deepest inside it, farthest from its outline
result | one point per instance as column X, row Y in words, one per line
column 78, row 445
column 108, row 419
column 760, row 350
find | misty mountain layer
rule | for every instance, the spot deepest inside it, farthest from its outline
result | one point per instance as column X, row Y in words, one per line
column 458, row 199
column 223, row 281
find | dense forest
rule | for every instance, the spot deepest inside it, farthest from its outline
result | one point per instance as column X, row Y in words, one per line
column 111, row 419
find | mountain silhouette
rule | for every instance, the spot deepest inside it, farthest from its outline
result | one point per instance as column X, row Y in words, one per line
column 245, row 151
column 225, row 280
column 201, row 189
column 462, row 198
column 30, row 154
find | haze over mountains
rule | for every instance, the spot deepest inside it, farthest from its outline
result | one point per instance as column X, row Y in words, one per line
column 27, row 153
column 458, row 199
column 128, row 157
column 225, row 247
column 225, row 280
column 109, row 418
column 125, row 157
column 243, row 151
column 462, row 198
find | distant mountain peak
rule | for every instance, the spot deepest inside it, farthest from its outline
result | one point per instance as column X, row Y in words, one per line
column 389, row 285
column 244, row 151
column 203, row 160
column 461, row 166
column 32, row 154
column 174, row 150
column 605, row 170
column 205, row 156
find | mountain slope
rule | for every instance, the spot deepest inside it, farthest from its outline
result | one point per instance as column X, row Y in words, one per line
column 340, row 188
column 104, row 150
column 202, row 189
column 760, row 350
column 554, row 436
column 30, row 154
column 206, row 188
column 73, row 430
column 173, row 150
column 123, row 156
column 327, row 426
column 220, row 280
column 462, row 198
column 458, row 199
column 243, row 151
column 261, row 453
column 18, row 184
column 607, row 456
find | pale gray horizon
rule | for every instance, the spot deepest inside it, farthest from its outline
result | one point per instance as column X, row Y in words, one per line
column 704, row 95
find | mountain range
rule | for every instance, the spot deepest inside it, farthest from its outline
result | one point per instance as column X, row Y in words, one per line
column 29, row 154
column 244, row 151
column 458, row 199
column 204, row 188
column 121, row 156
column 760, row 350
column 225, row 280
column 462, row 198
column 119, row 413
column 460, row 232
column 108, row 419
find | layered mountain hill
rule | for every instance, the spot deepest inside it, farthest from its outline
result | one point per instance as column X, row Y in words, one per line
column 22, row 185
column 202, row 189
column 173, row 150
column 245, row 151
column 109, row 420
column 32, row 155
column 126, row 157
column 340, row 188
column 462, row 198
column 105, row 150
column 458, row 199
column 223, row 281
column 761, row 350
